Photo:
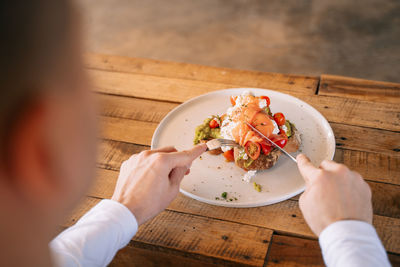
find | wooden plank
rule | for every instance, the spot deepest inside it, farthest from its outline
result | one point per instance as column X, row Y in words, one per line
column 347, row 136
column 111, row 154
column 240, row 78
column 293, row 251
column 138, row 254
column 335, row 109
column 131, row 131
column 199, row 235
column 384, row 92
column 372, row 166
column 394, row 259
column 367, row 139
column 134, row 108
column 357, row 112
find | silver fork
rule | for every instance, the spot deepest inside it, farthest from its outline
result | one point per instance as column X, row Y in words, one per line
column 217, row 143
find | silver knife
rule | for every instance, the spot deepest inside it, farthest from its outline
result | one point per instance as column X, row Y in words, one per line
column 275, row 145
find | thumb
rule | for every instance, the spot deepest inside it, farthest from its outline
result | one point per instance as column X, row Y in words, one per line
column 185, row 158
column 306, row 168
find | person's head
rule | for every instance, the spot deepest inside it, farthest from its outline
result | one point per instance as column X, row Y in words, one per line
column 47, row 123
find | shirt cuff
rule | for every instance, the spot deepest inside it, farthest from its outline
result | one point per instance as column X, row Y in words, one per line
column 125, row 218
column 343, row 237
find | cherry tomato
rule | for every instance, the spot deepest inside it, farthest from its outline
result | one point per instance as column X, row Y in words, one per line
column 279, row 119
column 229, row 155
column 252, row 150
column 266, row 98
column 233, row 100
column 214, row 124
column 266, row 148
column 281, row 140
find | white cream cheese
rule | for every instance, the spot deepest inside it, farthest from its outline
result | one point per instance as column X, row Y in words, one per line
column 262, row 103
column 249, row 175
column 276, row 128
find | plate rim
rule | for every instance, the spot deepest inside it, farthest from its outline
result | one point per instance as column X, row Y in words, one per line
column 240, row 205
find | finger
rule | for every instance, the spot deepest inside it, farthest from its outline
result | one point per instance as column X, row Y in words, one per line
column 329, row 165
column 167, row 149
column 177, row 175
column 306, row 168
column 186, row 157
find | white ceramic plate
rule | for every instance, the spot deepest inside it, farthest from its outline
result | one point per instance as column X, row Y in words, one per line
column 211, row 175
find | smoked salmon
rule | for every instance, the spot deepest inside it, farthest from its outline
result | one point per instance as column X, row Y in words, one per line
column 249, row 111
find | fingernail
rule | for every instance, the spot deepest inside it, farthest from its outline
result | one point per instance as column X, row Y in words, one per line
column 301, row 157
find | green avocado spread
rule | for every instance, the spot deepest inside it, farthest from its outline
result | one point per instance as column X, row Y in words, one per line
column 288, row 128
column 204, row 132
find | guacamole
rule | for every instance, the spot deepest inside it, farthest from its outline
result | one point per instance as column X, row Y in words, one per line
column 204, row 132
column 288, row 129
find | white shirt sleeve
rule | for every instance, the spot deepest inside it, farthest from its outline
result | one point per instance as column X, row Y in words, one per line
column 352, row 243
column 96, row 237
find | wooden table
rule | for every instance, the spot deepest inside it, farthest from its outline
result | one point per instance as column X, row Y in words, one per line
column 136, row 94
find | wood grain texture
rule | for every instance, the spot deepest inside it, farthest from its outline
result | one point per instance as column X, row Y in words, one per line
column 135, row 94
column 293, row 251
column 239, row 78
column 335, row 109
column 367, row 139
column 198, row 235
column 284, row 218
column 382, row 92
column 134, row 108
column 139, row 254
column 372, row 166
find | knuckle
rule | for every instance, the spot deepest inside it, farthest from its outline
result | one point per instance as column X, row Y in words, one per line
column 158, row 157
column 319, row 174
column 145, row 153
column 341, row 168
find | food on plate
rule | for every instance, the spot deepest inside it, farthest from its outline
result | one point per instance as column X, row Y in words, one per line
column 254, row 153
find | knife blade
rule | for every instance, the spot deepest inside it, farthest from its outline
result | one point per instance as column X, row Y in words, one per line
column 269, row 140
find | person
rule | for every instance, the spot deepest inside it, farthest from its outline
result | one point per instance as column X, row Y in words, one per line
column 47, row 160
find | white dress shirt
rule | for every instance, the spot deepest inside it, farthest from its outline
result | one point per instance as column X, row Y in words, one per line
column 109, row 226
column 96, row 237
column 352, row 243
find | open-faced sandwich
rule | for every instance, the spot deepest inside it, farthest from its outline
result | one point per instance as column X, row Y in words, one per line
column 255, row 152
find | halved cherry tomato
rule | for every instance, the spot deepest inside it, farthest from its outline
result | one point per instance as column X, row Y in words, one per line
column 266, row 98
column 281, row 140
column 229, row 155
column 233, row 100
column 252, row 150
column 266, row 148
column 214, row 124
column 279, row 119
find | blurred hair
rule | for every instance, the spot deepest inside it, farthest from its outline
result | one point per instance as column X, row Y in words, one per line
column 34, row 37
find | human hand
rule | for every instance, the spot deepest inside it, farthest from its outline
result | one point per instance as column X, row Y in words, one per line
column 150, row 180
column 333, row 193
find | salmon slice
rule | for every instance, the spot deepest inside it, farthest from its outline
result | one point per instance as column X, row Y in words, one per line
column 250, row 112
column 263, row 123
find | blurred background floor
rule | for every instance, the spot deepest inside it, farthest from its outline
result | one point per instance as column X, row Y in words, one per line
column 343, row 37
